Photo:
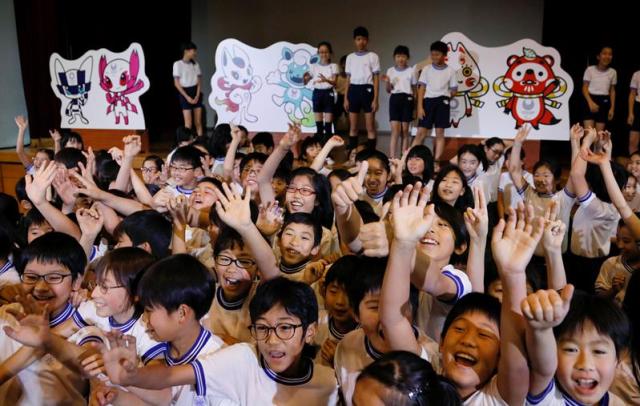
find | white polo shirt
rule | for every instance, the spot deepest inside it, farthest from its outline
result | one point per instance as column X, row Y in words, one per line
column 361, row 67
column 439, row 81
column 187, row 73
column 402, row 80
column 600, row 81
column 329, row 71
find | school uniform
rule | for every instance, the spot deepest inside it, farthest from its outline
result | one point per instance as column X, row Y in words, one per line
column 8, row 274
column 329, row 244
column 488, row 395
column 440, row 82
column 492, row 179
column 611, row 267
column 510, row 195
column 635, row 85
column 594, row 223
column 361, row 67
column 46, row 381
column 238, row 375
column 376, row 201
column 355, row 352
column 600, row 82
column 231, row 318
column 188, row 74
column 401, row 99
column 178, row 190
column 554, row 396
column 146, row 347
column 324, row 95
column 326, row 330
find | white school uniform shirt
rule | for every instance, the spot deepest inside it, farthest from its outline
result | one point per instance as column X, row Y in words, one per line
column 635, row 84
column 361, row 67
column 492, row 179
column 438, row 80
column 510, row 195
column 8, row 274
column 328, row 71
column 355, row 352
column 231, row 318
column 600, row 81
column 488, row 395
column 187, row 73
column 611, row 267
column 146, row 347
column 593, row 225
column 237, row 375
column 432, row 312
column 563, row 198
column 46, row 382
column 178, row 190
column 326, row 330
column 553, row 396
column 402, row 80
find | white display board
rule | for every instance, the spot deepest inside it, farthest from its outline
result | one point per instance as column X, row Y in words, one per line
column 263, row 89
column 101, row 89
column 503, row 88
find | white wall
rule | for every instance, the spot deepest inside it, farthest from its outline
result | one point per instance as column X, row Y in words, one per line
column 12, row 101
column 414, row 23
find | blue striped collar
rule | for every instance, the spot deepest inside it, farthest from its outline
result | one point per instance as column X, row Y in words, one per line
column 305, row 377
column 64, row 315
column 360, row 53
column 127, row 325
column 400, row 69
column 378, row 196
column 186, row 192
column 569, row 401
column 193, row 352
column 437, row 67
column 6, row 267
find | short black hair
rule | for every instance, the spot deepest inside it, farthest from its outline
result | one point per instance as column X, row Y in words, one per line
column 214, row 181
column 306, row 219
column 423, row 152
column 596, row 181
column 184, row 134
column 296, row 298
column 475, row 150
column 367, row 279
column 54, row 247
column 228, row 238
column 323, row 209
column 490, row 142
column 401, row 50
column 552, row 165
column 253, row 156
column 9, row 208
column 439, row 46
column 147, row 226
column 157, row 161
column 462, row 202
column 341, row 271
column 187, row 45
column 127, row 265
column 455, row 219
column 176, row 280
column 70, row 157
column 7, row 238
column 360, row 31
column 70, row 136
column 375, row 154
column 21, row 190
column 410, row 380
column 188, row 154
column 605, row 315
column 217, row 144
column 325, row 44
column 263, row 138
column 308, row 142
column 473, row 302
column 340, row 173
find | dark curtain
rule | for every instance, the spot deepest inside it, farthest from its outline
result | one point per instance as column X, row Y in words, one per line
column 71, row 27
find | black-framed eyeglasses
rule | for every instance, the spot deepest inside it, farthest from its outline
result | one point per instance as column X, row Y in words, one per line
column 50, row 278
column 243, row 263
column 179, row 169
column 148, row 170
column 104, row 289
column 304, row 191
column 284, row 331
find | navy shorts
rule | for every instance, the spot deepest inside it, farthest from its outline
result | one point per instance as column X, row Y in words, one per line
column 635, row 126
column 191, row 91
column 360, row 98
column 401, row 107
column 602, row 115
column 323, row 100
column 437, row 113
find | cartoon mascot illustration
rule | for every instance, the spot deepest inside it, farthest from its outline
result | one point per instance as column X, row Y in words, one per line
column 74, row 84
column 296, row 98
column 238, row 84
column 529, row 87
column 119, row 78
column 471, row 85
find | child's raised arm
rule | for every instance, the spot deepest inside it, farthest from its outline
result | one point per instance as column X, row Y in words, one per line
column 552, row 237
column 477, row 222
column 271, row 165
column 22, row 124
column 348, row 220
column 236, row 213
column 513, row 244
column 544, row 310
column 515, row 163
column 132, row 147
column 410, row 224
column 90, row 222
column 333, row 142
column 230, row 157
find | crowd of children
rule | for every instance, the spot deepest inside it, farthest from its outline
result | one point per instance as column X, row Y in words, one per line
column 243, row 271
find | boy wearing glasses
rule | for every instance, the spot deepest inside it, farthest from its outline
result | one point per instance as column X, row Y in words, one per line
column 185, row 168
column 276, row 370
column 51, row 268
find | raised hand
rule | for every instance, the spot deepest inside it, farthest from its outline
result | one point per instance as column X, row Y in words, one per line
column 596, row 158
column 577, row 132
column 33, row 328
column 178, row 207
column 553, row 229
column 36, row 185
column 232, row 208
column 373, row 236
column 270, row 218
column 88, row 187
column 65, row 188
column 335, row 141
column 116, row 154
column 515, row 240
column 522, row 134
column 132, row 146
column 121, row 359
column 409, row 218
column 55, row 135
column 291, row 137
column 89, row 169
column 90, row 221
column 349, row 190
column 22, row 123
column 546, row 309
column 477, row 219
